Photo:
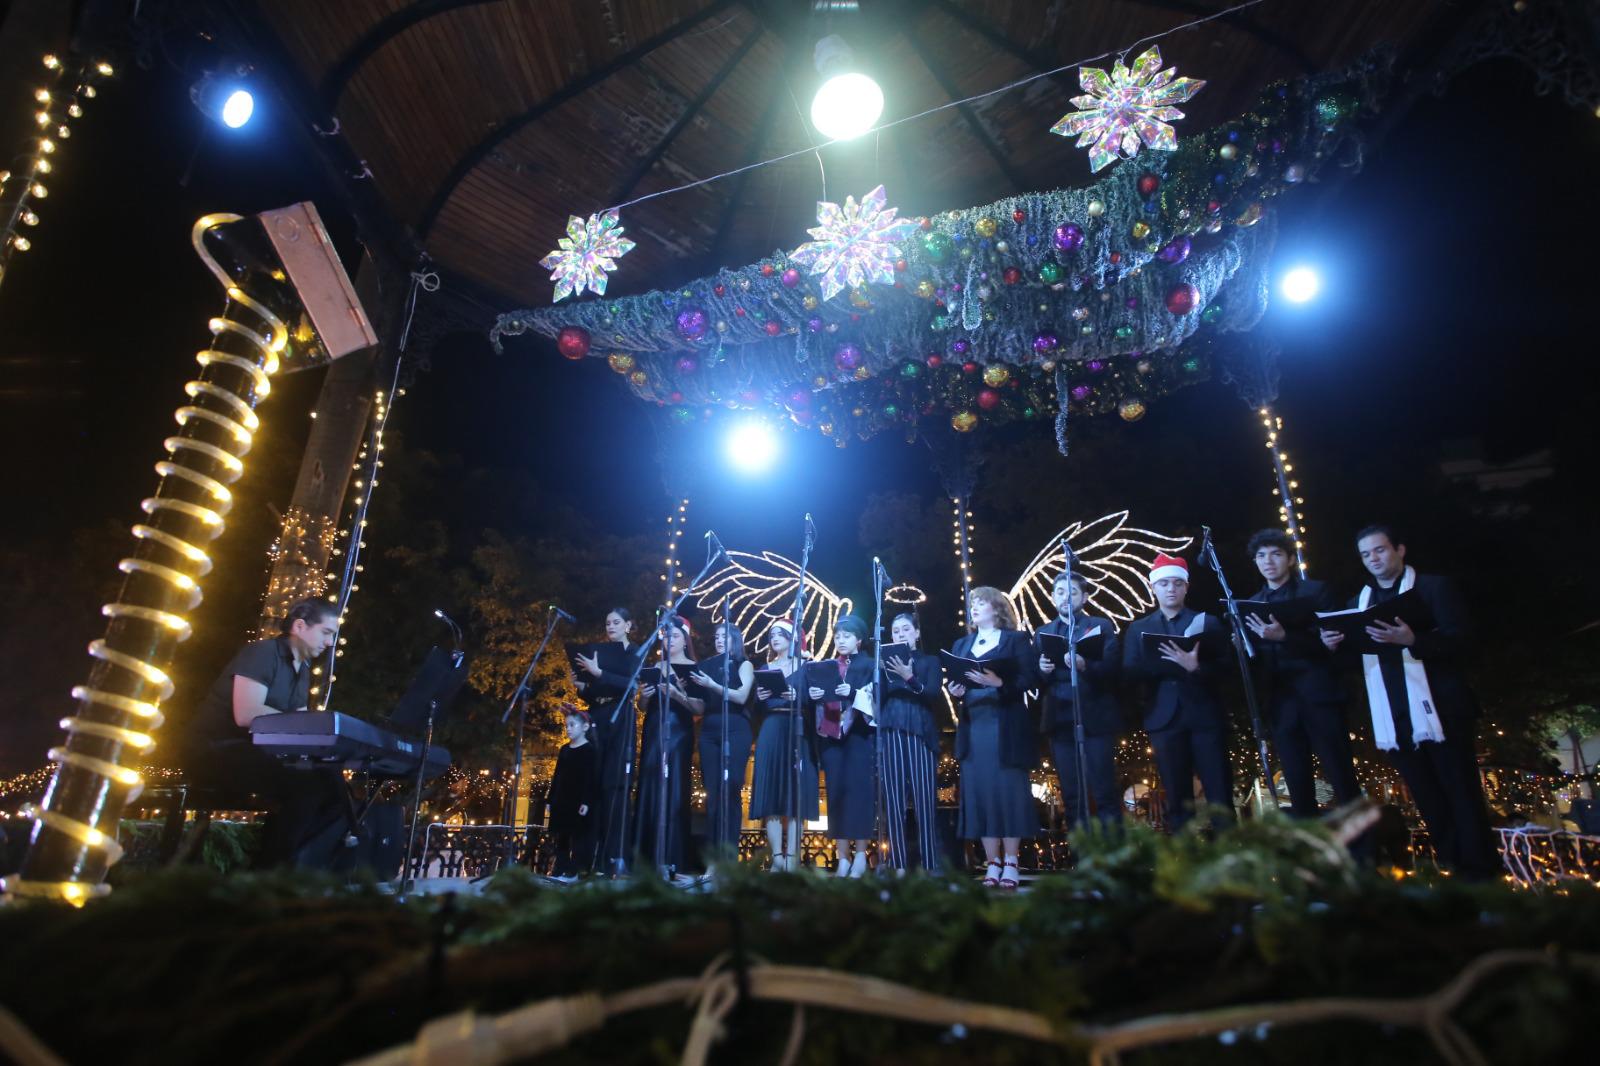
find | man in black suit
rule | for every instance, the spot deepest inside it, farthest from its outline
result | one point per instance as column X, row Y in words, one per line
column 1097, row 699
column 1183, row 715
column 1303, row 699
column 1423, row 711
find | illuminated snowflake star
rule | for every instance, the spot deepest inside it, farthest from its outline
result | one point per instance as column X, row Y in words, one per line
column 587, row 254
column 854, row 244
column 1127, row 106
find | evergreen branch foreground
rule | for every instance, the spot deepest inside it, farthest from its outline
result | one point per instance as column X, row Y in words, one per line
column 1267, row 945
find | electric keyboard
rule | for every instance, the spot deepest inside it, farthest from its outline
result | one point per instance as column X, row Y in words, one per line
column 328, row 738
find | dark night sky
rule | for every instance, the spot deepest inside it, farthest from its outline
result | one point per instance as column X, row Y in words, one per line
column 1458, row 295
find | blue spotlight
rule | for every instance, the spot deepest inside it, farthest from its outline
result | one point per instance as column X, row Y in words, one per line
column 752, row 446
column 1300, row 285
column 237, row 108
column 224, row 98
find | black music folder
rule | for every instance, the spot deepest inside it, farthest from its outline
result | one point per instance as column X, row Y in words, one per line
column 823, row 674
column 1053, row 646
column 1152, row 643
column 956, row 667
column 1407, row 607
column 771, row 680
column 657, row 674
column 1293, row 614
column 894, row 651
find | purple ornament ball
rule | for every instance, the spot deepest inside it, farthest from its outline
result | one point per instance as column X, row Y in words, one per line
column 691, row 323
column 1095, row 366
column 1175, row 251
column 1068, row 237
column 687, row 365
column 1081, row 392
column 814, row 325
column 847, row 357
column 960, row 346
column 1045, row 343
column 790, row 278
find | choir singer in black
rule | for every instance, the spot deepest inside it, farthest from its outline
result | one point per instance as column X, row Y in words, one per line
column 1097, row 701
column 1424, row 714
column 1184, row 715
column 1302, row 696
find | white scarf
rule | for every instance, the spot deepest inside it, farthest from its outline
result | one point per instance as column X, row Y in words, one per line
column 1425, row 724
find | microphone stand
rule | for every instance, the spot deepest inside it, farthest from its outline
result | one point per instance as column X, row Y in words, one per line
column 880, row 580
column 663, row 743
column 727, row 661
column 1244, row 652
column 508, row 849
column 1079, row 741
column 619, row 860
column 797, row 737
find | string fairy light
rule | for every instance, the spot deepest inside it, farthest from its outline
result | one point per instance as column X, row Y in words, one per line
column 761, row 590
column 73, row 841
column 1114, row 557
column 962, row 537
column 1287, row 489
column 677, row 520
column 57, row 104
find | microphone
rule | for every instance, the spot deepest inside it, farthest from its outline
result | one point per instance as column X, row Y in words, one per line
column 1205, row 540
column 811, row 531
column 714, row 547
column 563, row 614
column 878, row 568
column 451, row 622
column 1068, row 554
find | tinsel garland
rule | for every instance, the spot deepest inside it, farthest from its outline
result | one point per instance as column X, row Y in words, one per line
column 1121, row 272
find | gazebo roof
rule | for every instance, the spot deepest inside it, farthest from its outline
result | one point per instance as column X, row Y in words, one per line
column 486, row 123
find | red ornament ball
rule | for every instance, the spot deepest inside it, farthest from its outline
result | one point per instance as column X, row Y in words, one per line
column 1148, row 184
column 766, row 270
column 969, row 368
column 738, row 312
column 675, row 396
column 1182, row 298
column 1115, row 257
column 799, row 397
column 720, row 290
column 988, row 399
column 926, row 223
column 1019, row 216
column 573, row 342
column 1011, row 275
column 773, row 327
column 934, row 360
column 899, row 267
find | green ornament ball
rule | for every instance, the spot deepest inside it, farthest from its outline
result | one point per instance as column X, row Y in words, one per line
column 1211, row 313
column 1191, row 365
column 1334, row 109
column 891, row 410
column 1050, row 273
column 936, row 246
column 911, row 370
column 1124, row 332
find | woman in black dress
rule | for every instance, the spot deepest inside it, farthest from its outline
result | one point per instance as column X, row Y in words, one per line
column 996, row 742
column 845, row 739
column 602, row 678
column 675, row 703
column 772, row 787
column 908, row 733
column 724, row 818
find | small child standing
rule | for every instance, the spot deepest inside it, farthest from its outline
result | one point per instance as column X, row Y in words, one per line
column 574, row 797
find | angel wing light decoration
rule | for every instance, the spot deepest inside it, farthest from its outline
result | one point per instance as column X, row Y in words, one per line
column 760, row 590
column 1113, row 555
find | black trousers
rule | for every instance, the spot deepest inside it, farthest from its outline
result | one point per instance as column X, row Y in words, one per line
column 1299, row 729
column 1181, row 753
column 307, row 808
column 1443, row 779
column 1100, row 765
column 575, row 850
column 724, row 813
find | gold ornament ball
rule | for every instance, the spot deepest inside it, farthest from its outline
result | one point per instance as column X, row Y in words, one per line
column 1048, row 365
column 1140, row 230
column 1096, row 208
column 809, row 303
column 621, row 362
column 985, row 227
column 1251, row 215
column 856, row 412
column 638, row 379
column 1131, row 409
column 996, row 375
column 826, row 428
column 819, row 382
column 963, row 421
column 925, row 289
column 862, row 373
column 859, row 297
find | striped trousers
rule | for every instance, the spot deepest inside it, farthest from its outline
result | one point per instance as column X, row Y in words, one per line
column 908, row 776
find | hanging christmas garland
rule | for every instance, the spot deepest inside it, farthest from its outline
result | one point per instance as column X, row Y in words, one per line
column 1078, row 299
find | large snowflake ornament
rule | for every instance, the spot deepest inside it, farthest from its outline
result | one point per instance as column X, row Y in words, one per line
column 587, row 254
column 854, row 244
column 1125, row 107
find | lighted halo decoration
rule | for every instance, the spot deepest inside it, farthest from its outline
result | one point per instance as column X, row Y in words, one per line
column 905, row 595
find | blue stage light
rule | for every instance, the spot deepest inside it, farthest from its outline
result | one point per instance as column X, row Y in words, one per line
column 224, row 96
column 752, row 446
column 238, row 108
column 1300, row 285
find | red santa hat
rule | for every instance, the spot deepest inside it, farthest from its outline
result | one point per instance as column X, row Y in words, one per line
column 1168, row 566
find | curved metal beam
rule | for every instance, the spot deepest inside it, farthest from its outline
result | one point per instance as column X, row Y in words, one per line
column 1011, row 173
column 379, row 34
column 514, row 125
column 1244, row 24
column 631, row 182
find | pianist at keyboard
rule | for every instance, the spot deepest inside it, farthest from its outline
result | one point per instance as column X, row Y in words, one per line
column 273, row 676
